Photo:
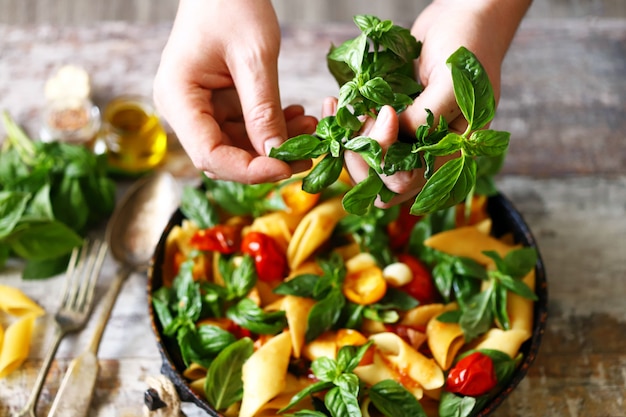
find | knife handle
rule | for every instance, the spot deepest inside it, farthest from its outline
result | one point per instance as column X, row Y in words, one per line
column 76, row 390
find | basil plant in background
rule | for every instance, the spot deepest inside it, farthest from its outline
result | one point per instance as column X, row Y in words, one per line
column 376, row 69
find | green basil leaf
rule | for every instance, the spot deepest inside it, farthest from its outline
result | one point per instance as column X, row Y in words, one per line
column 498, row 305
column 487, row 143
column 396, row 299
column 448, row 186
column 224, row 386
column 478, row 317
column 369, row 150
column 325, row 369
column 351, row 52
column 347, row 120
column 342, row 403
column 12, row 207
column 300, row 286
column 324, row 314
column 453, row 316
column 360, row 198
column 472, row 88
column 250, row 316
column 518, row 287
column 451, row 405
column 323, row 174
column 242, row 279
column 400, row 157
column 347, row 93
column 195, row 205
column 377, row 90
column 45, row 268
column 43, row 240
column 393, row 400
column 520, row 262
column 296, row 148
column 450, row 144
column 401, row 42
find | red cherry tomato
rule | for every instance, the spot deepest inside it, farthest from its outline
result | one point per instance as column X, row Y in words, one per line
column 269, row 260
column 222, row 238
column 474, row 375
column 399, row 230
column 421, row 286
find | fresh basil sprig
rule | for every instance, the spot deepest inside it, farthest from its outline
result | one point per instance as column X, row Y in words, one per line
column 375, row 69
column 479, row 309
column 51, row 195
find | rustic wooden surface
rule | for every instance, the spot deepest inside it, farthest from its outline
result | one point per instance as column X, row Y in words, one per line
column 563, row 100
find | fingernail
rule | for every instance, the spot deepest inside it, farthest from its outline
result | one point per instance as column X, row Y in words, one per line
column 272, row 143
column 383, row 115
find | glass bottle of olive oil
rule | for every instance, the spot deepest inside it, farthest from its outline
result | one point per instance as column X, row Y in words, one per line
column 135, row 140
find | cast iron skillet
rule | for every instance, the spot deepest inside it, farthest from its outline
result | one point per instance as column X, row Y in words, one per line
column 506, row 219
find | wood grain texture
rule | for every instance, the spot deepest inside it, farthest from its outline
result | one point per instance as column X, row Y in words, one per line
column 562, row 100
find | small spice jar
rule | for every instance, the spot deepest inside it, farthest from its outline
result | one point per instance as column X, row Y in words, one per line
column 70, row 119
column 134, row 137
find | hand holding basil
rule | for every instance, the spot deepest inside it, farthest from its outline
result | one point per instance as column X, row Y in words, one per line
column 376, row 69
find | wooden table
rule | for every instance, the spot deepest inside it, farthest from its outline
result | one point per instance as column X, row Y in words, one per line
column 563, row 100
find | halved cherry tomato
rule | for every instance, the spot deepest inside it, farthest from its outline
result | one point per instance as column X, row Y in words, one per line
column 421, row 286
column 269, row 260
column 296, row 199
column 474, row 375
column 222, row 238
column 399, row 230
column 365, row 286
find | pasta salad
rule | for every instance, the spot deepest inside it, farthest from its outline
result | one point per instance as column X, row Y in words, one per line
column 281, row 303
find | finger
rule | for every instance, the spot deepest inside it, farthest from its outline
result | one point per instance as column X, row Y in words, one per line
column 257, row 83
column 438, row 97
column 329, row 106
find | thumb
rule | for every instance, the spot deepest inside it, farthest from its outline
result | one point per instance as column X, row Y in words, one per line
column 258, row 91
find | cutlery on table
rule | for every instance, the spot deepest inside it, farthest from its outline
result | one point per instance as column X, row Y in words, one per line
column 80, row 282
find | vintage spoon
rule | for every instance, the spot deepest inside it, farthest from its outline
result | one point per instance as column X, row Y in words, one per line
column 132, row 234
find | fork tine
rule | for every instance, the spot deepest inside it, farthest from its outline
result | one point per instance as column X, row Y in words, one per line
column 99, row 250
column 69, row 275
column 88, row 270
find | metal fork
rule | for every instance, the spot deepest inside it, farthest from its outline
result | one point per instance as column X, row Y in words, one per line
column 80, row 282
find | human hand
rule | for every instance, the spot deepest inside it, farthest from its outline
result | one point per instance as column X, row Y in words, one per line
column 217, row 86
column 485, row 27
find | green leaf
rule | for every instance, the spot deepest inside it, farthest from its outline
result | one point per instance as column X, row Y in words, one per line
column 323, row 174
column 393, row 400
column 297, row 148
column 520, row 262
column 202, row 344
column 310, row 389
column 250, row 316
column 360, row 198
column 325, row 369
column 369, row 150
column 224, row 386
column 487, row 143
column 12, row 207
column 300, row 286
column 45, row 268
column 195, row 205
column 400, row 157
column 478, row 317
column 377, row 90
column 451, row 405
column 472, row 88
column 448, row 186
column 450, row 144
column 342, row 403
column 324, row 314
column 44, row 240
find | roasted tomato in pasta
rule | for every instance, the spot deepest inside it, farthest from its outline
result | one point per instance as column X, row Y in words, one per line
column 296, row 199
column 269, row 260
column 474, row 375
column 421, row 286
column 222, row 238
column 399, row 230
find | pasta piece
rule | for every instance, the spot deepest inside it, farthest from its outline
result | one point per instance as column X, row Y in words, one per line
column 507, row 341
column 324, row 345
column 520, row 309
column 197, row 385
column 280, row 225
column 444, row 340
column 408, row 361
column 297, row 312
column 264, row 374
column 419, row 316
column 194, row 371
column 470, row 242
column 16, row 303
column 313, row 231
column 380, row 370
column 16, row 344
column 293, row 385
